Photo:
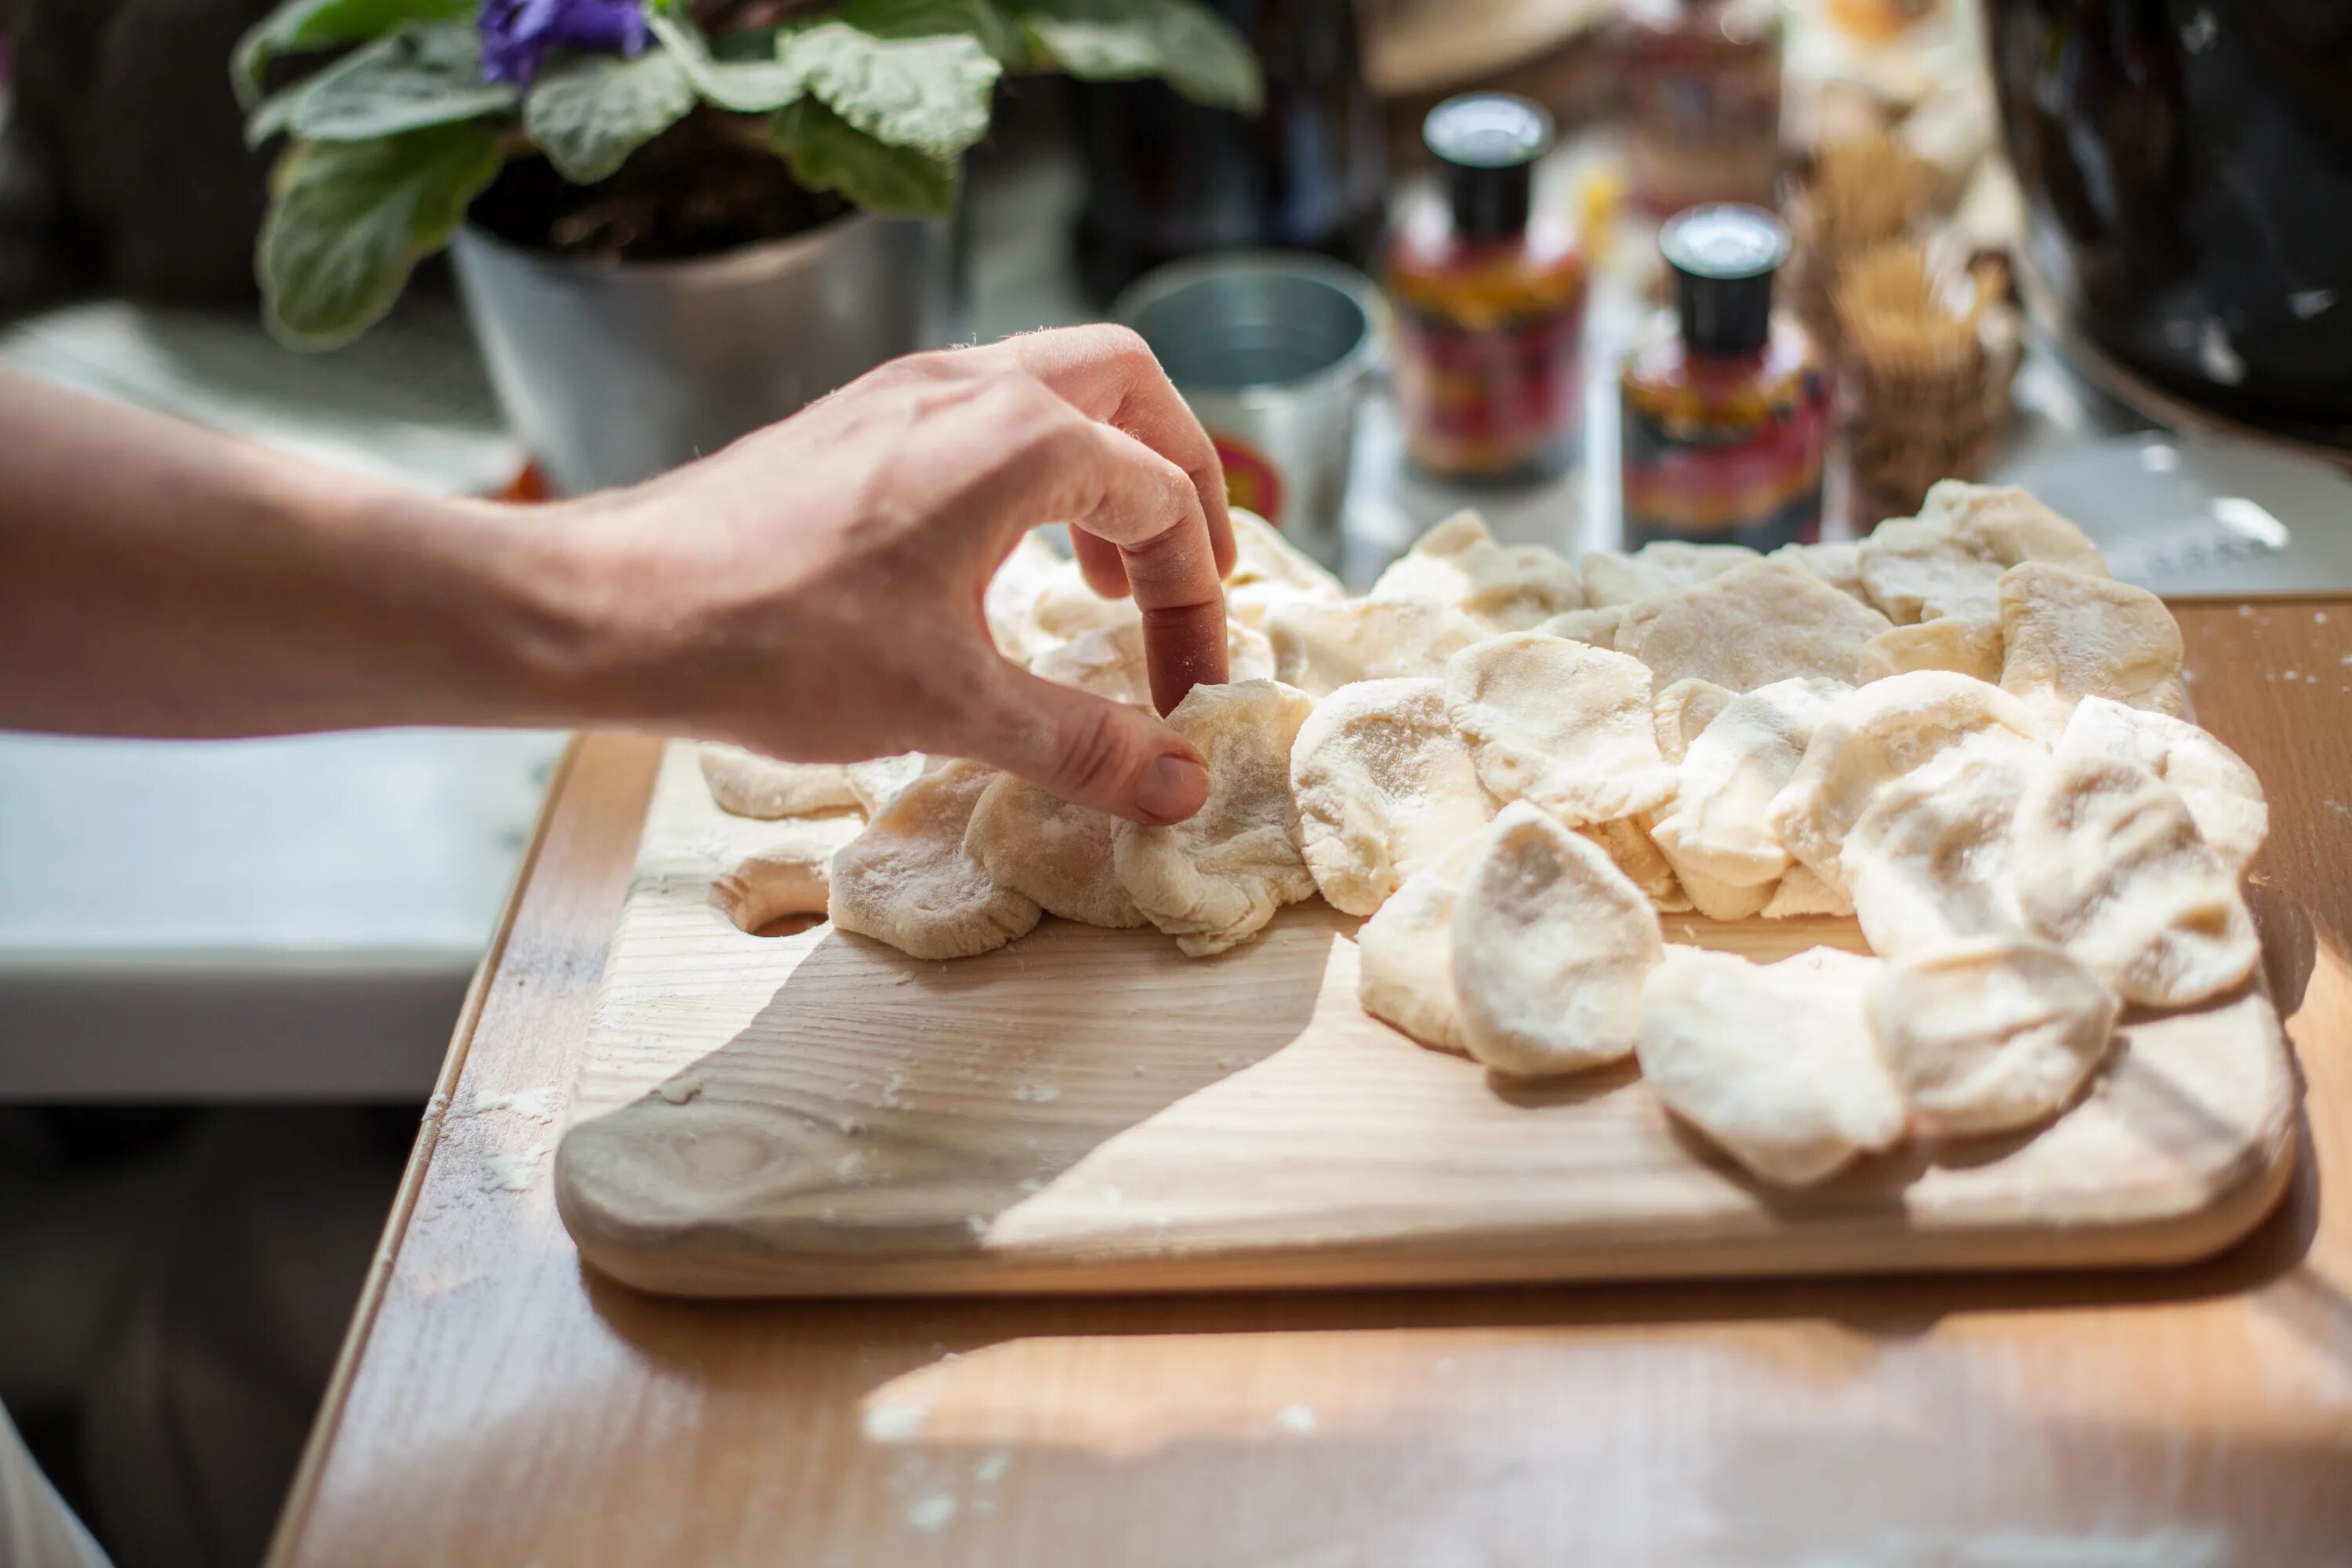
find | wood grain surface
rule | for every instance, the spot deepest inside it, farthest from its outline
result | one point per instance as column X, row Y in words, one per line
column 1089, row 1109
column 500, row 1405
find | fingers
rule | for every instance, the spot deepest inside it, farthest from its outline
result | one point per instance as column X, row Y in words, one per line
column 1085, row 748
column 1098, row 559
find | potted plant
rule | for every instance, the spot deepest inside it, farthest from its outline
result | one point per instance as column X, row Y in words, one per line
column 672, row 221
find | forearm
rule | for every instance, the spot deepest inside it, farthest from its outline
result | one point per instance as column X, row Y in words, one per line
column 159, row 580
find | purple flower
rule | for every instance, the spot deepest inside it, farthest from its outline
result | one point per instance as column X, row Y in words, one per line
column 517, row 34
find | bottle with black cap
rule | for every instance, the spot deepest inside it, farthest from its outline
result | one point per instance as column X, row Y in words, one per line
column 1725, row 402
column 1489, row 295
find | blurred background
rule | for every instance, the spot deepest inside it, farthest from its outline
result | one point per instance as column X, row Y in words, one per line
column 1402, row 256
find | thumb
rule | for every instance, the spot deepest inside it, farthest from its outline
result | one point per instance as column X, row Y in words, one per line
column 1087, row 748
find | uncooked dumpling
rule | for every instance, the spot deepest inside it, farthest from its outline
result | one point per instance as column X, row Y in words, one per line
column 1680, row 712
column 2221, row 791
column 1947, row 561
column 875, row 781
column 1067, row 607
column 1760, row 622
column 1014, row 592
column 1627, row 842
column 1550, row 944
column 2111, row 867
column 1560, row 723
column 1213, row 880
column 789, row 874
column 1970, row 648
column 1405, row 955
column 746, row 783
column 907, row 880
column 1268, row 570
column 1991, row 1033
column 1047, row 849
column 1875, row 734
column 1773, row 1063
column 1112, row 662
column 1319, row 647
column 1598, row 628
column 2067, row 637
column 1611, row 578
column 1503, row 588
column 1383, row 786
column 1801, row 893
column 1719, row 823
column 1934, row 856
column 1837, row 562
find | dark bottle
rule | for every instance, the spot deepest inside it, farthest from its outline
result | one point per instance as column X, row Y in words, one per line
column 1489, row 296
column 1167, row 178
column 2187, row 172
column 1725, row 402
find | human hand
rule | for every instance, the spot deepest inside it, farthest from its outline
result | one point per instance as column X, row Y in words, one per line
column 815, row 591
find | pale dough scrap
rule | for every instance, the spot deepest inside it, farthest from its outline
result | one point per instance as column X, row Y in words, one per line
column 1875, row 734
column 1968, row 648
column 1681, row 711
column 875, row 780
column 1627, row 842
column 2067, row 636
column 1560, row 723
column 1550, row 945
column 1933, row 858
column 1598, row 628
column 906, row 880
column 1719, row 823
column 1012, row 597
column 1068, row 608
column 1720, row 901
column 1990, row 1034
column 1503, row 587
column 1947, row 561
column 1405, row 955
column 2111, row 867
column 2221, row 791
column 1319, row 647
column 1047, row 849
column 1760, row 622
column 1213, row 881
column 1268, row 570
column 1772, row 1063
column 1837, row 562
column 1611, row 578
column 1383, row 786
column 1111, row 662
column 787, row 874
column 1801, row 893
column 746, row 783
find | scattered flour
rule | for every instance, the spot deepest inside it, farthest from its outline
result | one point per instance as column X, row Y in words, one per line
column 1298, row 1418
column 894, row 1423
column 513, row 1172
column 530, row 1104
column 931, row 1514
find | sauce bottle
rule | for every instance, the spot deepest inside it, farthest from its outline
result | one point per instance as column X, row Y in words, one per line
column 1489, row 298
column 1702, row 98
column 1725, row 402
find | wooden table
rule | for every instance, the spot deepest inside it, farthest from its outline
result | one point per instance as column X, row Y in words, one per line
column 497, row 1406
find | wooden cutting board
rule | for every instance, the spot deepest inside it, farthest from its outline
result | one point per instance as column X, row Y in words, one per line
column 1089, row 1110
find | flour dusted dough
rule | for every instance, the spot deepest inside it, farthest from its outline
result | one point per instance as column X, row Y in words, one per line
column 1681, row 711
column 1383, row 786
column 1047, row 849
column 1611, row 578
column 2221, row 791
column 745, row 783
column 907, row 880
column 1319, row 647
column 1760, row 622
column 875, row 781
column 1627, row 842
column 1801, row 893
column 1934, row 856
column 1947, row 561
column 1970, row 647
column 1560, row 723
column 1112, row 662
column 1550, row 944
column 1013, row 595
column 1405, row 955
column 2067, row 636
column 2111, row 867
column 1503, row 587
column 1837, row 562
column 1989, row 1034
column 1719, row 823
column 788, row 875
column 1068, row 608
column 1268, row 570
column 1213, row 881
column 1877, row 735
column 1773, row 1063
column 1598, row 628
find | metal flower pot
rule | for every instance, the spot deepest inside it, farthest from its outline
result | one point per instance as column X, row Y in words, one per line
column 612, row 373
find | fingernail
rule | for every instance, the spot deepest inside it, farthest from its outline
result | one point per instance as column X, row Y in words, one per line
column 1174, row 789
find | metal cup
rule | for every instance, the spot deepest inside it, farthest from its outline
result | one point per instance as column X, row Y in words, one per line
column 1273, row 350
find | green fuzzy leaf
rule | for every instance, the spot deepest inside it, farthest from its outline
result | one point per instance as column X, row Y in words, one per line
column 1195, row 50
column 981, row 20
column 302, row 24
column 589, row 113
column 745, row 85
column 828, row 153
column 347, row 220
column 930, row 94
column 412, row 79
